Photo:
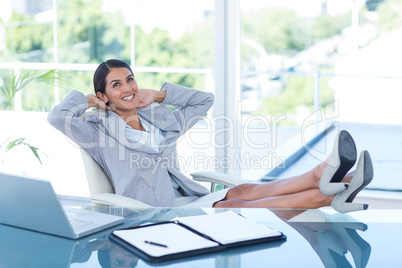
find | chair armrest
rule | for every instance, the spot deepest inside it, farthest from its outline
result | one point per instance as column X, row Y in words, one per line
column 115, row 200
column 217, row 178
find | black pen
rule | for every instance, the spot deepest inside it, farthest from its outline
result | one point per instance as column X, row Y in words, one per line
column 154, row 243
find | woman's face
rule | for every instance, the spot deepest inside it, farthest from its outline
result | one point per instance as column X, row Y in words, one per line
column 122, row 258
column 121, row 91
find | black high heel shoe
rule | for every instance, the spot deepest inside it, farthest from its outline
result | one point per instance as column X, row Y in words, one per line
column 342, row 202
column 342, row 159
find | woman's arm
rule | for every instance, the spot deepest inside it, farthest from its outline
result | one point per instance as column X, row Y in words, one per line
column 193, row 103
column 148, row 96
column 95, row 102
column 65, row 118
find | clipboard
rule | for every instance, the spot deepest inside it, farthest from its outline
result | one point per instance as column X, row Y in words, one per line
column 194, row 235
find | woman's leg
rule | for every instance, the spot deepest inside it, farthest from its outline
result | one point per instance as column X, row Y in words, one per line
column 308, row 199
column 253, row 191
column 301, row 191
column 300, row 183
column 296, row 184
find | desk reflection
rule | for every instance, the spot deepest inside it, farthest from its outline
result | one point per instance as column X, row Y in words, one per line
column 330, row 240
column 334, row 239
column 25, row 248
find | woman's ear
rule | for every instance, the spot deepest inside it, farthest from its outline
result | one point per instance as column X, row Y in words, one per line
column 102, row 97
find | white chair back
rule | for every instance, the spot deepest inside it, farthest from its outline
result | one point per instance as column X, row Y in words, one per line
column 97, row 179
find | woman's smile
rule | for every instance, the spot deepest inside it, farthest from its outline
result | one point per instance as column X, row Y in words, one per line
column 121, row 91
column 128, row 98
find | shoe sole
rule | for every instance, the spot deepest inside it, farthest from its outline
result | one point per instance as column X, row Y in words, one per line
column 347, row 156
column 368, row 176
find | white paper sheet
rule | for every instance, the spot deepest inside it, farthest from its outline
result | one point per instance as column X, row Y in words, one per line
column 177, row 238
column 228, row 227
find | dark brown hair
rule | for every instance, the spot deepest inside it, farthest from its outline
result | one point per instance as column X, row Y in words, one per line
column 102, row 71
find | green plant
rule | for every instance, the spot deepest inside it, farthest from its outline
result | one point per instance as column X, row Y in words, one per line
column 7, row 146
column 16, row 82
column 11, row 85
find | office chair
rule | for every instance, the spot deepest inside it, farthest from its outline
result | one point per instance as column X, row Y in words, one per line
column 102, row 191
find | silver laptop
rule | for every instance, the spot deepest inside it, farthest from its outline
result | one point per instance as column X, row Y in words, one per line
column 32, row 204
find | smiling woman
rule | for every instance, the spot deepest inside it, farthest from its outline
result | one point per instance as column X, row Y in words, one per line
column 116, row 89
column 137, row 149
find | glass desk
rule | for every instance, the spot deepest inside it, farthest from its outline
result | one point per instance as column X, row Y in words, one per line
column 315, row 238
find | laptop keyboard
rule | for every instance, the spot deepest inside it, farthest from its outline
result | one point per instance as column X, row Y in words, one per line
column 75, row 220
column 78, row 224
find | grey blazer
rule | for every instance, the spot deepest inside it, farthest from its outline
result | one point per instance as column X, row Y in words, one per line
column 136, row 170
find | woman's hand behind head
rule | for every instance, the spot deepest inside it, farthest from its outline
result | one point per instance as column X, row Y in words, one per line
column 148, row 96
column 94, row 101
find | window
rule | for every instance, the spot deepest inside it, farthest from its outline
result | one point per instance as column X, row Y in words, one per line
column 162, row 44
column 297, row 58
column 307, row 63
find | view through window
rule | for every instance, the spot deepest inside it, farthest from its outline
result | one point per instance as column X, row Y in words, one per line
column 316, row 62
column 297, row 57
